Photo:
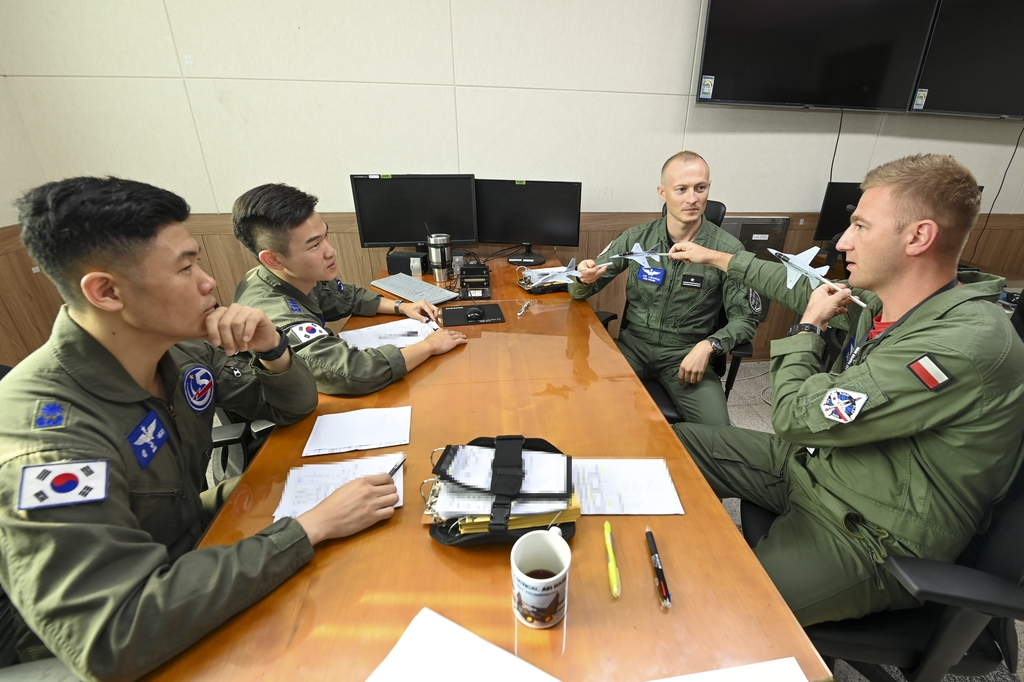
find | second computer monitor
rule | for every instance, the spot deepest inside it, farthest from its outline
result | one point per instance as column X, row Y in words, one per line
column 400, row 210
column 836, row 208
column 528, row 212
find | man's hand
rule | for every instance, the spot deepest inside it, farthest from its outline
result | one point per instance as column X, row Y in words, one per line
column 443, row 340
column 691, row 369
column 590, row 271
column 420, row 310
column 688, row 252
column 825, row 303
column 237, row 328
column 354, row 506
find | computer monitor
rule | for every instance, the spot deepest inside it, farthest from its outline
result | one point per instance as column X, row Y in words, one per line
column 758, row 234
column 401, row 210
column 836, row 208
column 528, row 212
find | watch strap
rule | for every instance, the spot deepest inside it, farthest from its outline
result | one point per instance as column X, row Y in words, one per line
column 804, row 327
column 274, row 353
column 398, row 304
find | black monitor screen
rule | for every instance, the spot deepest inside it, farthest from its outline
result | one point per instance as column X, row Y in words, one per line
column 399, row 210
column 827, row 53
column 836, row 208
column 975, row 62
column 528, row 212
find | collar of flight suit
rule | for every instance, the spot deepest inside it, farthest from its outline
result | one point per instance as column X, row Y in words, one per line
column 95, row 369
column 306, row 300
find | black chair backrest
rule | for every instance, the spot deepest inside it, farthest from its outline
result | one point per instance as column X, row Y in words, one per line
column 999, row 550
column 4, row 369
column 713, row 211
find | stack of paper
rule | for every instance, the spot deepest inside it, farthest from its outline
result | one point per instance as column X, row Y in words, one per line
column 308, row 485
column 625, row 486
column 479, row 524
column 401, row 333
column 359, row 430
column 543, row 472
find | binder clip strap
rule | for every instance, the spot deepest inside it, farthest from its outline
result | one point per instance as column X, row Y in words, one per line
column 506, row 479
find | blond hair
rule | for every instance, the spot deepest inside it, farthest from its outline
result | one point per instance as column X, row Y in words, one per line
column 931, row 187
column 685, row 157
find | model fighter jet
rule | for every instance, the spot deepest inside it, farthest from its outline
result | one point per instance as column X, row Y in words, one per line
column 640, row 255
column 800, row 265
column 559, row 275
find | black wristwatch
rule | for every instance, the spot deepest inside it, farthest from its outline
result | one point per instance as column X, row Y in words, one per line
column 804, row 327
column 274, row 353
column 716, row 346
column 398, row 303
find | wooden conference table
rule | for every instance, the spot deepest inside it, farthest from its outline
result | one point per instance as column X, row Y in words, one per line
column 552, row 373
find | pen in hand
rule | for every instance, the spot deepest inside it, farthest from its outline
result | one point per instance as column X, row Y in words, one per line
column 394, row 469
column 613, row 568
column 659, row 581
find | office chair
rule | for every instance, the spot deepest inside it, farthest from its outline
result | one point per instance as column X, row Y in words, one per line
column 966, row 625
column 4, row 369
column 235, row 443
column 715, row 212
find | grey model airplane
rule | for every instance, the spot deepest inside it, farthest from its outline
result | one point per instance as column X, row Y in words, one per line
column 640, row 255
column 559, row 275
column 800, row 265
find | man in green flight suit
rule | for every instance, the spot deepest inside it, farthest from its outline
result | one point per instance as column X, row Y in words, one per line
column 914, row 434
column 106, row 438
column 673, row 307
column 297, row 285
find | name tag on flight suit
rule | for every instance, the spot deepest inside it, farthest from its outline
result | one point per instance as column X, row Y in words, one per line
column 650, row 275
column 693, row 281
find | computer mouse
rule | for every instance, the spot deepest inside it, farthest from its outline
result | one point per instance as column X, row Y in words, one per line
column 474, row 313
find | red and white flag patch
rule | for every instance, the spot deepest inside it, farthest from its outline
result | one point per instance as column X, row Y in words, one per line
column 930, row 372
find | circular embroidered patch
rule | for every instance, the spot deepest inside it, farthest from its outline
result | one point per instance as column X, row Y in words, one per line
column 198, row 388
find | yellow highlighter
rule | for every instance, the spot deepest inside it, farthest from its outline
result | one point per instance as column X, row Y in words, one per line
column 613, row 569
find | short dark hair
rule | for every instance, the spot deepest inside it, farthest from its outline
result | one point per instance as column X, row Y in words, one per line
column 85, row 222
column 263, row 216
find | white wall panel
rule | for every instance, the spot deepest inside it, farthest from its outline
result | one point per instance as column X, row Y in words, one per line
column 983, row 146
column 765, row 159
column 20, row 170
column 388, row 41
column 644, row 46
column 314, row 135
column 138, row 128
column 613, row 143
column 86, row 38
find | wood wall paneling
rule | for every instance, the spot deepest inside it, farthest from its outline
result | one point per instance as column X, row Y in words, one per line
column 31, row 302
column 12, row 348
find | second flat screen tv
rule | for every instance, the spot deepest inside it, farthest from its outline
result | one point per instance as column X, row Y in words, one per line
column 814, row 53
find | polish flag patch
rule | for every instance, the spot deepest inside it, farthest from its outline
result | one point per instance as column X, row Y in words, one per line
column 930, row 372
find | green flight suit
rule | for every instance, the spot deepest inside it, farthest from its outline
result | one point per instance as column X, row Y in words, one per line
column 113, row 586
column 667, row 319
column 338, row 368
column 926, row 434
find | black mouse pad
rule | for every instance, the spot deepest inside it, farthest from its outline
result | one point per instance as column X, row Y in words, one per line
column 458, row 315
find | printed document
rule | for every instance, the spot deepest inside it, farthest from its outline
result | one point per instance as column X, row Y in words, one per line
column 359, row 430
column 308, row 485
column 400, row 333
column 625, row 486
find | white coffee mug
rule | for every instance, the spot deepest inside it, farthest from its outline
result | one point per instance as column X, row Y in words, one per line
column 540, row 578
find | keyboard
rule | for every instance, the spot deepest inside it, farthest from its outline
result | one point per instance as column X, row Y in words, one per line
column 412, row 289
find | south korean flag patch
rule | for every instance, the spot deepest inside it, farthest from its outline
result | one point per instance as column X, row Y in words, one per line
column 306, row 332
column 842, row 405
column 57, row 485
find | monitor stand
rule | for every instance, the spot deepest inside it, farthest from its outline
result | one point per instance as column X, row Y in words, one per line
column 528, row 258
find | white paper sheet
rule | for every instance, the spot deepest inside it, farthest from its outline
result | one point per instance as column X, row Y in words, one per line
column 453, row 500
column 359, row 430
column 400, row 333
column 470, row 658
column 543, row 472
column 625, row 486
column 781, row 670
column 308, row 485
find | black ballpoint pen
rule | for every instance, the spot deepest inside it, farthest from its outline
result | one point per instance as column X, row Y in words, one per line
column 394, row 469
column 659, row 581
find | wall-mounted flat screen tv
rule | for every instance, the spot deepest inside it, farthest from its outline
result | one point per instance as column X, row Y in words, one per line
column 840, row 54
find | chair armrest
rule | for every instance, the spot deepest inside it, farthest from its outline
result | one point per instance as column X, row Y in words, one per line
column 605, row 317
column 742, row 350
column 228, row 434
column 261, row 428
column 957, row 585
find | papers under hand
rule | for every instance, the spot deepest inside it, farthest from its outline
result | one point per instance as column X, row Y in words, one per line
column 472, row 658
column 400, row 333
column 307, row 486
column 625, row 486
column 359, row 430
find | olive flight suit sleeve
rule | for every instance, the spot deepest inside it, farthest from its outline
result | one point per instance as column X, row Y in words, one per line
column 338, row 300
column 741, row 320
column 103, row 595
column 580, row 291
column 245, row 386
